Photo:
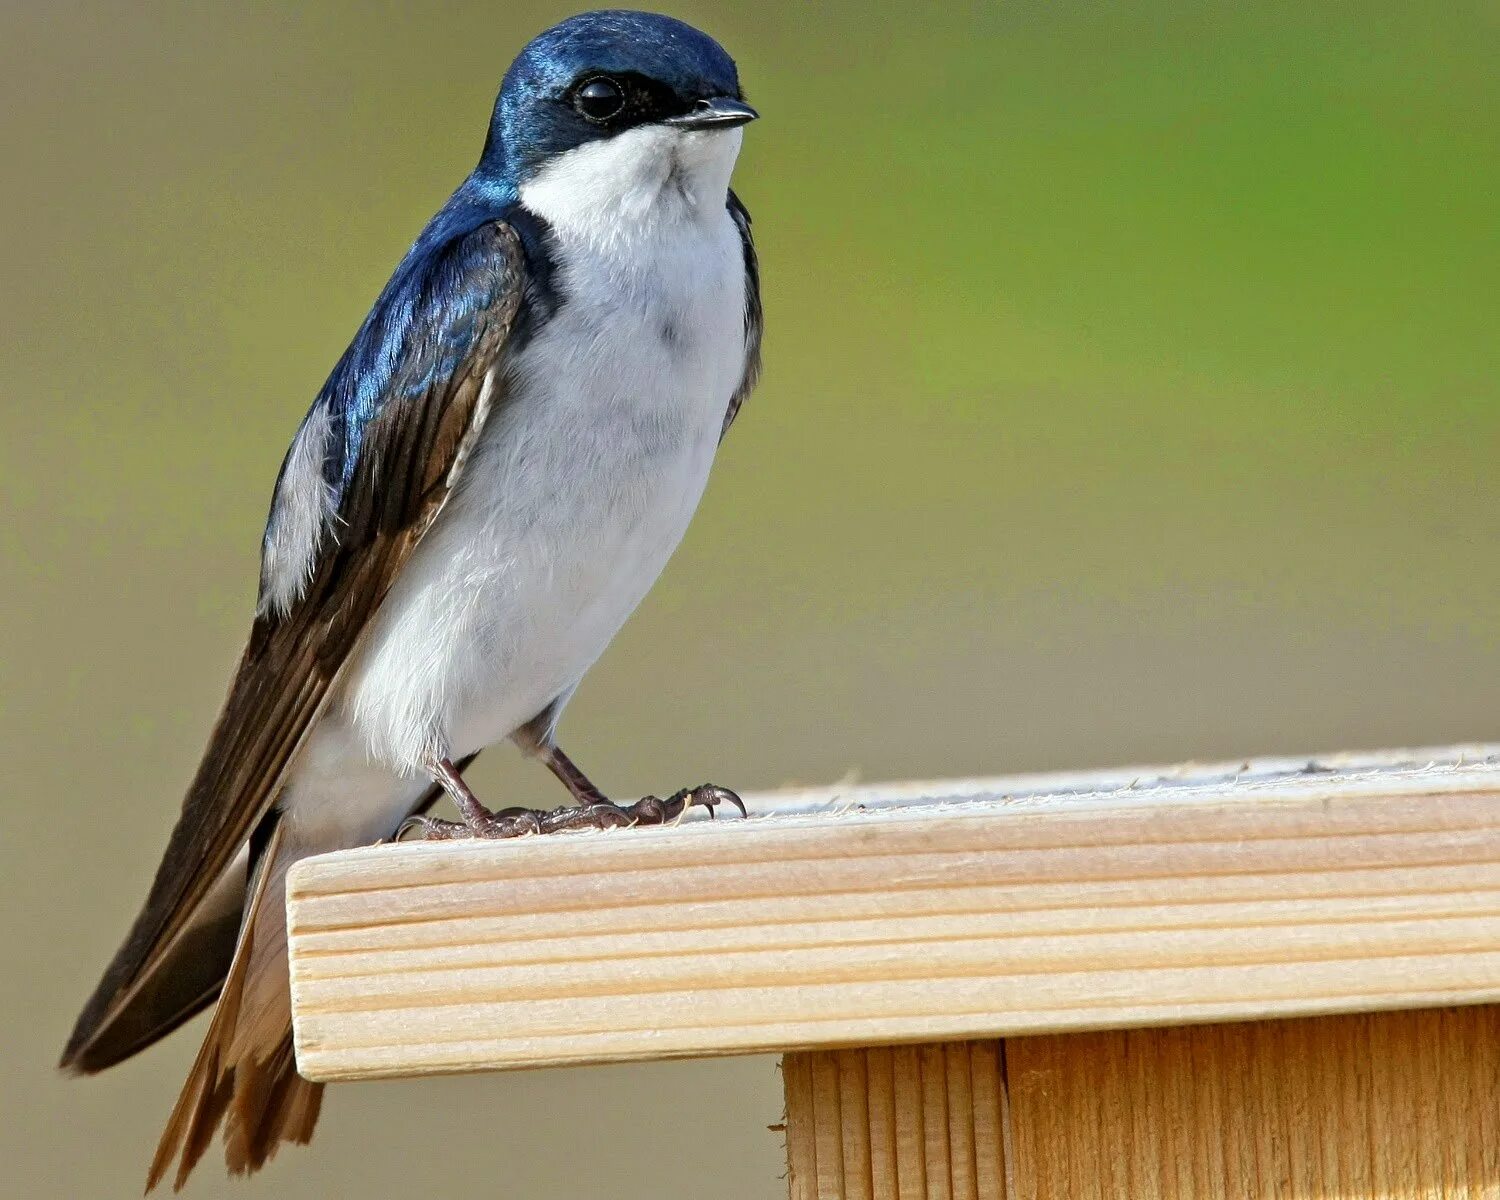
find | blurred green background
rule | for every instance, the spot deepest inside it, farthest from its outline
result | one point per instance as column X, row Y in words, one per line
column 1130, row 395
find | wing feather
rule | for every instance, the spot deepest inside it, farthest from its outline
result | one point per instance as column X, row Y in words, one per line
column 754, row 317
column 406, row 457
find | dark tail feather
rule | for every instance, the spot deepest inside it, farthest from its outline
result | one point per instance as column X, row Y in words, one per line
column 261, row 1105
column 261, row 1101
column 209, row 1088
column 259, row 1098
column 278, row 1106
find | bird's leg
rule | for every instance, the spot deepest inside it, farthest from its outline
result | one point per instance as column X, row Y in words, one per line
column 478, row 821
column 579, row 784
column 446, row 775
column 594, row 810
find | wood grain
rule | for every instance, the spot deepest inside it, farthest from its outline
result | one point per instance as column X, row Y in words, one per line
column 1380, row 1106
column 903, row 1123
column 1395, row 1106
column 919, row 912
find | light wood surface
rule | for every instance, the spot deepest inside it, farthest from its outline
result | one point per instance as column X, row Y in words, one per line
column 897, row 1123
column 919, row 912
column 1394, row 1106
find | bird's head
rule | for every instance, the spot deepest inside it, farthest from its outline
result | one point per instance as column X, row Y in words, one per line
column 614, row 114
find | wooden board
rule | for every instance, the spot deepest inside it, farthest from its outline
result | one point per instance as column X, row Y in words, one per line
column 1380, row 1106
column 898, row 1123
column 918, row 912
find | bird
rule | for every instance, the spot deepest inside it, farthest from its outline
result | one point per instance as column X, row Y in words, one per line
column 491, row 479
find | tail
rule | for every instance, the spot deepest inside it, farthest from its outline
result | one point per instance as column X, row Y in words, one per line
column 245, row 1076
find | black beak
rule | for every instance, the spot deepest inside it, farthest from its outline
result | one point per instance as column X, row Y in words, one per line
column 719, row 113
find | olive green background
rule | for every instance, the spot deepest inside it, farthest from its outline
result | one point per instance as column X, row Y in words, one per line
column 1130, row 395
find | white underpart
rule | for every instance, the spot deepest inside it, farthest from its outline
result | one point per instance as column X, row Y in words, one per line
column 302, row 510
column 578, row 491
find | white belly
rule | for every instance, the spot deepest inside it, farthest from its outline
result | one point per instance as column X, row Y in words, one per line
column 582, row 485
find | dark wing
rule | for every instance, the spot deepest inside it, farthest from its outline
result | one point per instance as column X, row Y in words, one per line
column 435, row 344
column 753, row 318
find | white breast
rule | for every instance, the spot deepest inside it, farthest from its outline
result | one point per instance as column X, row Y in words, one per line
column 587, row 473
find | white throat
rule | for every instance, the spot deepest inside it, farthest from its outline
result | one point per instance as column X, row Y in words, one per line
column 650, row 175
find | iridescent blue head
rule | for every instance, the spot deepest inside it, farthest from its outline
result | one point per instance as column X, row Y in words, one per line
column 601, row 74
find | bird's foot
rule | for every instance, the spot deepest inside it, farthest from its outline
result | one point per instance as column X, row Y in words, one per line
column 649, row 810
column 599, row 814
column 508, row 823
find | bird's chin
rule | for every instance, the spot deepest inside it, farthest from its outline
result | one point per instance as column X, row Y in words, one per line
column 649, row 173
column 703, row 161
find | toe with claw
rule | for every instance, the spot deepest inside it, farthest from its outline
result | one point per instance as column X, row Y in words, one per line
column 705, row 795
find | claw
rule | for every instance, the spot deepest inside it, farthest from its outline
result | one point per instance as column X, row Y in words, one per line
column 407, row 826
column 705, row 795
column 433, row 829
column 722, row 795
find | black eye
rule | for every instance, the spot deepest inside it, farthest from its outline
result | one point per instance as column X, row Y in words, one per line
column 599, row 99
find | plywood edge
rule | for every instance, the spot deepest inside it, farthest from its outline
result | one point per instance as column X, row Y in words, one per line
column 906, row 912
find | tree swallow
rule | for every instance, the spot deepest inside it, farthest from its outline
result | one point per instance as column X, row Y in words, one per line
column 490, row 481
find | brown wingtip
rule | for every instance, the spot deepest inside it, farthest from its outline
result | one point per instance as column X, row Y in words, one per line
column 75, row 1058
column 88, row 1055
column 136, row 1002
column 91, row 1054
column 70, row 1065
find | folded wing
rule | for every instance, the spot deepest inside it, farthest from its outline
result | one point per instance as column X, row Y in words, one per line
column 392, row 427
